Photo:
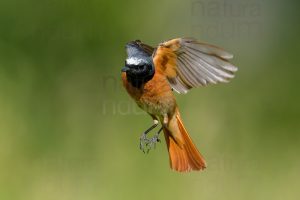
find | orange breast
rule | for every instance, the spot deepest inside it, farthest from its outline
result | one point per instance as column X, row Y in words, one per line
column 155, row 97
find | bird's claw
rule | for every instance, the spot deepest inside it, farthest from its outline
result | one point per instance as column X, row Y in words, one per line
column 146, row 144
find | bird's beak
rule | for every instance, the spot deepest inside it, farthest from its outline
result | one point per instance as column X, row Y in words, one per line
column 125, row 69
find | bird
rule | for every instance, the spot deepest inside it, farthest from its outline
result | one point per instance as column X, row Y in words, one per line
column 152, row 75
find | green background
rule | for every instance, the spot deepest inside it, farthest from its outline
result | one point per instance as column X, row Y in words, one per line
column 69, row 131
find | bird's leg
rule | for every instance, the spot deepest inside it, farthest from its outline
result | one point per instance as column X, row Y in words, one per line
column 144, row 141
column 152, row 141
column 149, row 143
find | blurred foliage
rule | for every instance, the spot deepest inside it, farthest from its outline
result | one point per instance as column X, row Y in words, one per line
column 68, row 130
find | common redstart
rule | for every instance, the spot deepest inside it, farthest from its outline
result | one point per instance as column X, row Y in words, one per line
column 151, row 74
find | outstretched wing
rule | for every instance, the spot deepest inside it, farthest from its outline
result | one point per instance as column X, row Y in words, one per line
column 188, row 63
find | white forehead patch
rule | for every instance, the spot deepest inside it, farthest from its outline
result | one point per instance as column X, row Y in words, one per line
column 133, row 61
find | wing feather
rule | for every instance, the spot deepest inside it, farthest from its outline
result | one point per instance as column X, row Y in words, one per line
column 206, row 48
column 196, row 64
column 219, row 63
column 178, row 85
column 185, row 73
column 216, row 70
column 203, row 70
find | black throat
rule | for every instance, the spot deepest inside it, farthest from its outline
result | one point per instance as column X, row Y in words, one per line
column 139, row 65
column 139, row 75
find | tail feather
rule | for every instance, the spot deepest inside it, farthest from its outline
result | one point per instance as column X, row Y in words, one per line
column 184, row 156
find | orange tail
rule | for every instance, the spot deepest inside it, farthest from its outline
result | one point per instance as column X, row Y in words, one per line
column 183, row 154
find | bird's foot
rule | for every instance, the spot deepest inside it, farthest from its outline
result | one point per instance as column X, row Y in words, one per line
column 146, row 144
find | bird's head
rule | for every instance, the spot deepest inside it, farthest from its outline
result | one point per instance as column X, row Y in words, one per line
column 139, row 66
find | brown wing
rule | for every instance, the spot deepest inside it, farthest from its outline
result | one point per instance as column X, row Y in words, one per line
column 188, row 63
